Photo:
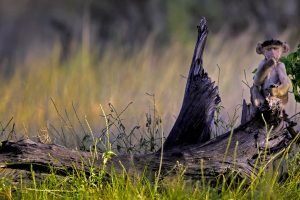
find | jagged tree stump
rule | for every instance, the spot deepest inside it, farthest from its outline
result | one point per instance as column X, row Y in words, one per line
column 188, row 143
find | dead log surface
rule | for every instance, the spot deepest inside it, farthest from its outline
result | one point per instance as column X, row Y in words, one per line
column 241, row 157
column 186, row 144
column 201, row 97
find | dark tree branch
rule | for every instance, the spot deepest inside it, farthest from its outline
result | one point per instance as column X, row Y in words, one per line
column 193, row 124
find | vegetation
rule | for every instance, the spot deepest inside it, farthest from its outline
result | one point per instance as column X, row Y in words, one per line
column 96, row 185
column 65, row 103
column 292, row 65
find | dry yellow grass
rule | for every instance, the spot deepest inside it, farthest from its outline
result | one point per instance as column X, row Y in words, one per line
column 87, row 82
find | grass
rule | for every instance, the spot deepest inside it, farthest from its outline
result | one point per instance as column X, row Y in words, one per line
column 76, row 185
column 88, row 79
column 66, row 103
column 84, row 85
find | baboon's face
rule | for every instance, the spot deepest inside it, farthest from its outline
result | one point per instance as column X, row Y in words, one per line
column 273, row 51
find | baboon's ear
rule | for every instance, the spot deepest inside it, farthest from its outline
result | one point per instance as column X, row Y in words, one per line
column 259, row 49
column 286, row 47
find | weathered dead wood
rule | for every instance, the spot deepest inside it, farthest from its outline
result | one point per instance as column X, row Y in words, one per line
column 248, row 112
column 245, row 145
column 193, row 125
column 187, row 143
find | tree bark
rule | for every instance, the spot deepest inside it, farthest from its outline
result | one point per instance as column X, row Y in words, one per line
column 193, row 125
column 254, row 143
column 237, row 151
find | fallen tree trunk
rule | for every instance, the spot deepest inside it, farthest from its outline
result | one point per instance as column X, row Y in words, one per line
column 252, row 145
column 234, row 151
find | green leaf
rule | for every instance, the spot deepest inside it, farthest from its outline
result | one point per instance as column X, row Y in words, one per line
column 283, row 59
column 288, row 70
column 297, row 97
column 254, row 71
column 298, row 53
column 290, row 56
column 297, row 76
column 297, row 83
column 292, row 65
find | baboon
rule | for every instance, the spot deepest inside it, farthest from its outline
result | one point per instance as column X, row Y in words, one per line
column 270, row 82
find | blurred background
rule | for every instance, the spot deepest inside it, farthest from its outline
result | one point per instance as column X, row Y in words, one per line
column 58, row 57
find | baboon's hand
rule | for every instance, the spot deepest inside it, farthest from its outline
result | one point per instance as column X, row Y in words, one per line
column 270, row 62
column 274, row 86
column 274, row 91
